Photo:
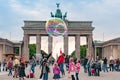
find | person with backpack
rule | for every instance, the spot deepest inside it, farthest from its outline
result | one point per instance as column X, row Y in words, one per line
column 10, row 65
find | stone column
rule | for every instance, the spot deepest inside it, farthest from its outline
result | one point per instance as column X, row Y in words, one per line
column 38, row 44
column 4, row 51
column 4, row 48
column 102, row 52
column 20, row 51
column 26, row 47
column 95, row 53
column 50, row 40
column 90, row 47
column 66, row 44
column 77, row 46
column 111, row 50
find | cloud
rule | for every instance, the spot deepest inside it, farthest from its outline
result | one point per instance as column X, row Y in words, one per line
column 38, row 12
column 103, row 13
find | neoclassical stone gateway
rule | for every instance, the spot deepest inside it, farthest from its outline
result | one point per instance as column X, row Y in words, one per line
column 75, row 28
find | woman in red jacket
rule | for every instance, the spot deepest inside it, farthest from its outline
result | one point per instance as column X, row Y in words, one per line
column 60, row 62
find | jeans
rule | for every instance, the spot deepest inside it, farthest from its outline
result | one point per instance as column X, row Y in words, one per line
column 89, row 70
column 45, row 76
column 97, row 72
column 62, row 68
column 105, row 67
column 77, row 78
column 111, row 67
column 33, row 68
column 67, row 66
column 10, row 71
column 85, row 68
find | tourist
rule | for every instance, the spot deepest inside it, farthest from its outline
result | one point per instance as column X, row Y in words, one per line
column 111, row 65
column 85, row 64
column 21, row 71
column 33, row 64
column 93, row 68
column 56, row 72
column 67, row 62
column 89, row 62
column 3, row 64
column 72, row 69
column 117, row 64
column 97, row 68
column 16, row 64
column 105, row 68
column 77, row 69
column 45, row 68
column 60, row 62
column 10, row 66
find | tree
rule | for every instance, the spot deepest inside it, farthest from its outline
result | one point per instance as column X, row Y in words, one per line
column 32, row 50
column 82, row 52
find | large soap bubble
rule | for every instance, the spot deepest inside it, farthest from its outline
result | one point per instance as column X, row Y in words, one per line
column 56, row 27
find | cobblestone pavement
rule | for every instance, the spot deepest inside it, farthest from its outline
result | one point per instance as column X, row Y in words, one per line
column 83, row 76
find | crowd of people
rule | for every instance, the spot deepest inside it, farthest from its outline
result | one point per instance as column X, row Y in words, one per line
column 93, row 68
column 16, row 66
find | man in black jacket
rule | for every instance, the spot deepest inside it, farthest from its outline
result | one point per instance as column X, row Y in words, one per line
column 45, row 68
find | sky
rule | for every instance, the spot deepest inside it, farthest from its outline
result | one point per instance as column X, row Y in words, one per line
column 105, row 15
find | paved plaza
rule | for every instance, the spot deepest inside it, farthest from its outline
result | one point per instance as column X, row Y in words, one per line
column 83, row 76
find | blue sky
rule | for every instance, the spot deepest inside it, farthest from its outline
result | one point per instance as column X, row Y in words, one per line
column 105, row 15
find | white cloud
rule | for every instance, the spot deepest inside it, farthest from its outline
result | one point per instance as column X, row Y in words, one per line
column 37, row 12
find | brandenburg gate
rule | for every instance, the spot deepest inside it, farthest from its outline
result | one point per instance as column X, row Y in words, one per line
column 75, row 28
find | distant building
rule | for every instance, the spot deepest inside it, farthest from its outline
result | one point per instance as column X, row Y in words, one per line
column 107, row 49
column 8, row 48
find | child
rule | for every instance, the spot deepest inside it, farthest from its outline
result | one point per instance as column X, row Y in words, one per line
column 93, row 68
column 77, row 69
column 72, row 69
column 56, row 71
column 21, row 71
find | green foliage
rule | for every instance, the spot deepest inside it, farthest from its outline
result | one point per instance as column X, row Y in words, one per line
column 73, row 55
column 32, row 50
column 82, row 51
column 17, row 51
